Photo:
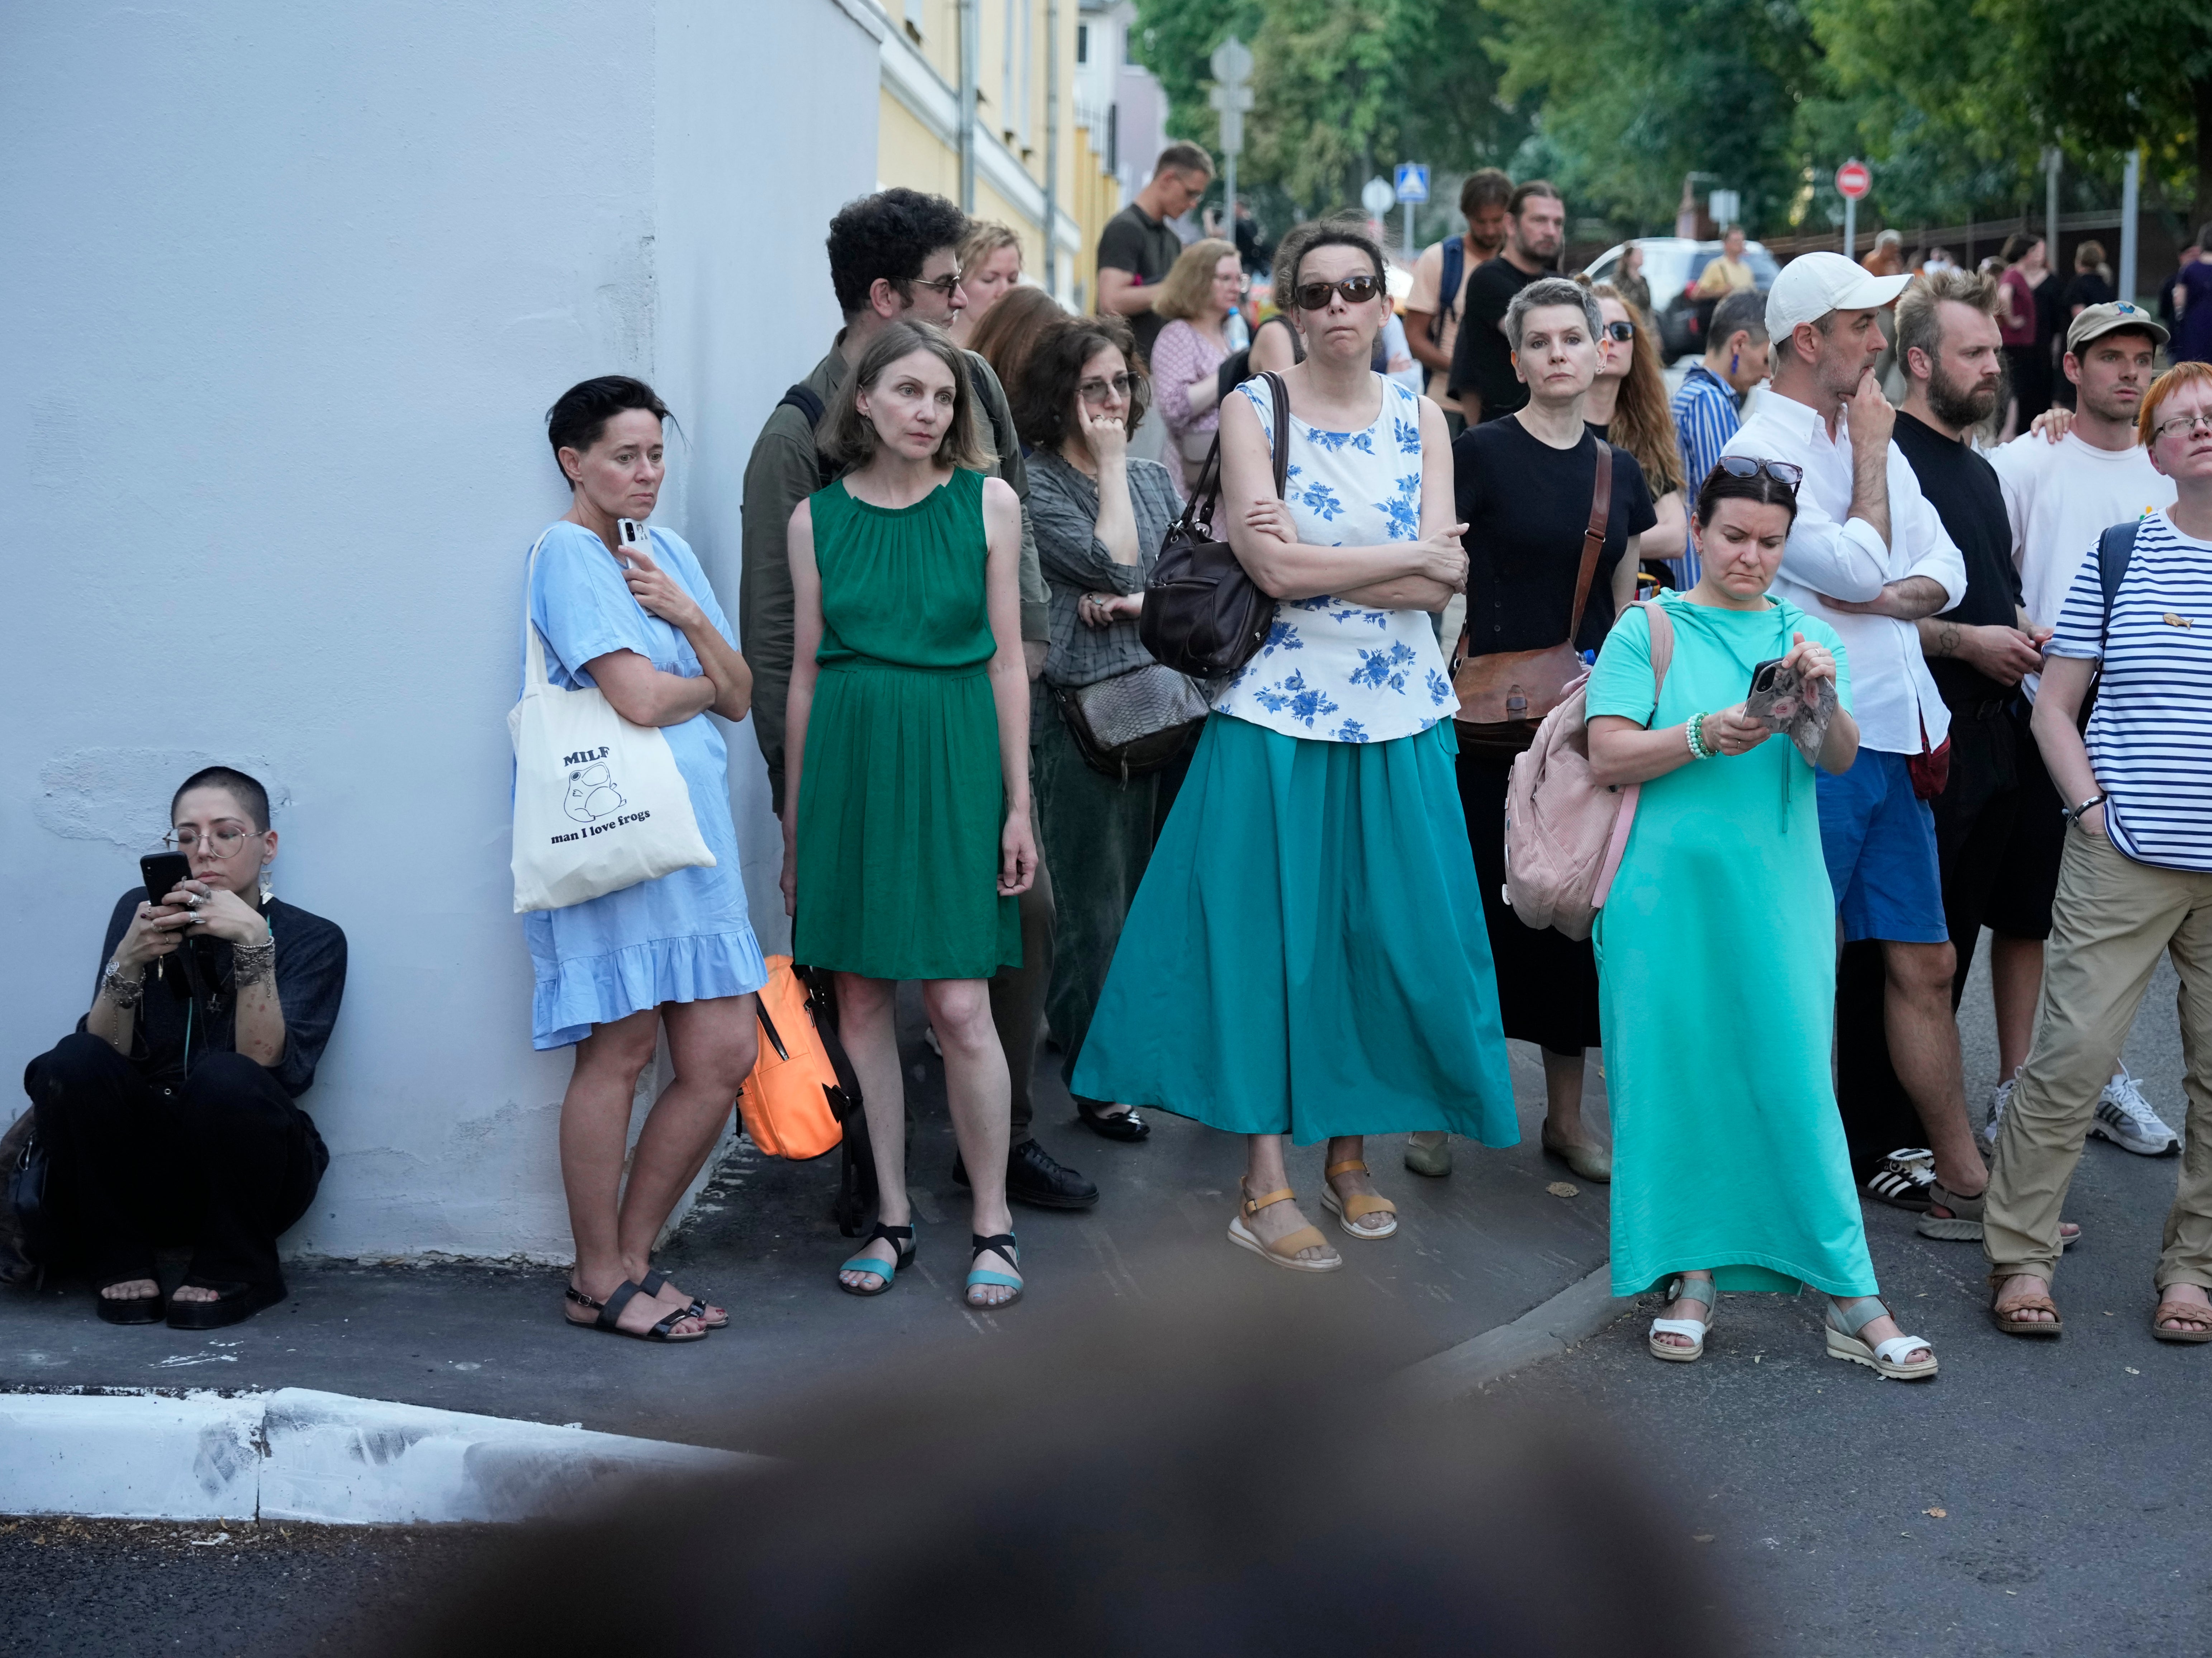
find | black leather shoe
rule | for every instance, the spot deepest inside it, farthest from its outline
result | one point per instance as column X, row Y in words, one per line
column 1033, row 1176
column 1113, row 1124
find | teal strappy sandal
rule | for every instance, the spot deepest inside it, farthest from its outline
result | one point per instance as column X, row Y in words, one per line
column 901, row 1239
column 1006, row 1245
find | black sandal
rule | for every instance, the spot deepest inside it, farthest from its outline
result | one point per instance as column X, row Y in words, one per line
column 1124, row 1125
column 901, row 1239
column 130, row 1309
column 654, row 1277
column 234, row 1303
column 610, row 1309
column 1004, row 1245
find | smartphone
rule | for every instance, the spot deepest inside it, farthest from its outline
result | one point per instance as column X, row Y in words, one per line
column 164, row 872
column 629, row 534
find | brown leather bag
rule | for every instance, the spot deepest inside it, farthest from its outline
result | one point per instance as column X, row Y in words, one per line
column 1504, row 697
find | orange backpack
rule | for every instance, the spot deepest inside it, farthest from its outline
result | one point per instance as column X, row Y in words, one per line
column 794, row 1102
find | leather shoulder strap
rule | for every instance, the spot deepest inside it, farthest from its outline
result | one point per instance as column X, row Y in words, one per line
column 1593, row 536
column 1282, row 444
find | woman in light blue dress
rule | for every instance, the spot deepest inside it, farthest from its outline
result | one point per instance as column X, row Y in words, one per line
column 677, row 953
column 1306, row 955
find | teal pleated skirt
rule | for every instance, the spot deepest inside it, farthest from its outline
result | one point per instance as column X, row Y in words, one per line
column 1307, row 953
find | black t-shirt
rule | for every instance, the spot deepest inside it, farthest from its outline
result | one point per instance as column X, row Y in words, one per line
column 1526, row 505
column 1481, row 360
column 2087, row 289
column 1148, row 249
column 311, row 967
column 1964, row 490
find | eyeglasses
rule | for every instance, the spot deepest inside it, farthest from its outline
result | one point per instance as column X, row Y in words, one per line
column 2188, row 424
column 226, row 838
column 945, row 286
column 1357, row 291
column 1750, row 466
column 1623, row 331
column 1094, row 391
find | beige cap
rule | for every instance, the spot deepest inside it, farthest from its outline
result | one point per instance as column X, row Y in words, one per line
column 2099, row 320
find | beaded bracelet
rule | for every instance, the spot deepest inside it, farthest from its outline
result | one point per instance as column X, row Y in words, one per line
column 1695, row 733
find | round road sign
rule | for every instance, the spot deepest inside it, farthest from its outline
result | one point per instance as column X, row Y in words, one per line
column 1376, row 195
column 1853, row 179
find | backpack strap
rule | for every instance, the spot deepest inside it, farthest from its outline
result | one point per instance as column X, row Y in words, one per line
column 804, row 398
column 2115, row 547
column 1448, row 288
column 1662, row 657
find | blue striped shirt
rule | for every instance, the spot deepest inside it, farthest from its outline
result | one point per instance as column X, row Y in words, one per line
column 2151, row 730
column 1706, row 416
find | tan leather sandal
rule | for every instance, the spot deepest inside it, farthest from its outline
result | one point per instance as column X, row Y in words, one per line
column 2006, row 1315
column 2197, row 1321
column 1284, row 1251
column 1351, row 1210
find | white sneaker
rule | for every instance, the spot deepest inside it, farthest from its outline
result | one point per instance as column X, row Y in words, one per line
column 2000, row 1097
column 2125, row 1118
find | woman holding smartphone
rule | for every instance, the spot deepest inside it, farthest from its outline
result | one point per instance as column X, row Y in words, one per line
column 677, row 954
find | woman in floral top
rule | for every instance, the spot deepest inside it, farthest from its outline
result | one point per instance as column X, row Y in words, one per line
column 1306, row 954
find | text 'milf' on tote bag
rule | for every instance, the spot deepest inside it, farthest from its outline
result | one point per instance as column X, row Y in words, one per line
column 598, row 802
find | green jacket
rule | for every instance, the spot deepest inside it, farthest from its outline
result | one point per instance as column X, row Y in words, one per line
column 783, row 472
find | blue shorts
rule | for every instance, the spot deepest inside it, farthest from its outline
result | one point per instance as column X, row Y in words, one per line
column 1879, row 840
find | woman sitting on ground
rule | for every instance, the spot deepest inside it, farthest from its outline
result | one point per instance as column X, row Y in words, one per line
column 1729, row 1170
column 1101, row 516
column 907, row 836
column 172, row 1113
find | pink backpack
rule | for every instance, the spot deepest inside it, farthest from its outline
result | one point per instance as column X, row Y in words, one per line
column 1564, row 834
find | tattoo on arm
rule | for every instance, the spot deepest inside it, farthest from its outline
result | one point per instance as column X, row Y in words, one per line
column 1947, row 639
column 253, row 964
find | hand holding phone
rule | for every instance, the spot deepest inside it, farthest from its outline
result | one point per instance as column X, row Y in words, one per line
column 1783, row 699
column 163, row 873
column 631, row 536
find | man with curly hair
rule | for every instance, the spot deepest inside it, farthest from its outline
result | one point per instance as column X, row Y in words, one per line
column 894, row 257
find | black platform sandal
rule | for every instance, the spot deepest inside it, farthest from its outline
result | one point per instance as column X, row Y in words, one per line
column 1123, row 1124
column 901, row 1239
column 654, row 1277
column 234, row 1303
column 610, row 1309
column 130, row 1309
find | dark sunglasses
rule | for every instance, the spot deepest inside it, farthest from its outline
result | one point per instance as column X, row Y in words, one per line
column 1750, row 466
column 1357, row 291
column 1623, row 331
column 946, row 286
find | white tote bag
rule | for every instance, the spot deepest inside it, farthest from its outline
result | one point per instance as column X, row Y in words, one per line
column 598, row 802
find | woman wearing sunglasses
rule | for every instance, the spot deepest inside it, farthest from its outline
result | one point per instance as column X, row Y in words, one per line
column 1729, row 1166
column 1306, row 954
column 1627, row 407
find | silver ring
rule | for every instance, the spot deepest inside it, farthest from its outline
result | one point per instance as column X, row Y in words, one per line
column 194, row 900
column 199, row 920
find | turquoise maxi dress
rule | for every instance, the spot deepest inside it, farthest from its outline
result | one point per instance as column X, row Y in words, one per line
column 686, row 937
column 1716, row 982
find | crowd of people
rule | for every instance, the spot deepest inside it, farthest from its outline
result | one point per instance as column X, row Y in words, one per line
column 1875, row 686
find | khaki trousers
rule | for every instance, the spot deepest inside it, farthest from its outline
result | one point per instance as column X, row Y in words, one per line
column 2110, row 922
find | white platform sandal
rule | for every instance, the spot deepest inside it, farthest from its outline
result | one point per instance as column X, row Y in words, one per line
column 1700, row 1290
column 1886, row 1359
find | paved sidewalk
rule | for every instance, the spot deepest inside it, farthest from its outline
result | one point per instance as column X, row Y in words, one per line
column 1472, row 1252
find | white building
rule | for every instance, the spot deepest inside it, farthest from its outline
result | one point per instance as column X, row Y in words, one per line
column 290, row 289
column 1116, row 95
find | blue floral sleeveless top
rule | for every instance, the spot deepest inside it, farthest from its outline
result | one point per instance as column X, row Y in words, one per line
column 1338, row 672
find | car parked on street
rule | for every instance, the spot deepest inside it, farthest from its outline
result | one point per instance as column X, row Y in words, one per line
column 1672, row 265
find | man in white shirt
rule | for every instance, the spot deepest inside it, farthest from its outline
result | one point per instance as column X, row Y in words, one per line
column 1868, row 555
column 2060, row 497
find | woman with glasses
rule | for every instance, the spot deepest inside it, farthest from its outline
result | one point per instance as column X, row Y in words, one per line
column 1205, row 286
column 1527, row 485
column 1627, row 407
column 1305, row 956
column 172, row 1114
column 1715, row 949
column 1101, row 516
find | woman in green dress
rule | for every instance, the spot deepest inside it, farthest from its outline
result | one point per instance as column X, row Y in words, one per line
column 907, row 834
column 1715, row 951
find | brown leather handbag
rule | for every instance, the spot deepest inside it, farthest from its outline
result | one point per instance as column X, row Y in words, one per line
column 1504, row 697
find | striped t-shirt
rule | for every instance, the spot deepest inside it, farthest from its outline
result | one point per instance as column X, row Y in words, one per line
column 2150, row 738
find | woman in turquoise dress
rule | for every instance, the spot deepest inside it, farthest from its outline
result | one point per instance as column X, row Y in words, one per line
column 677, row 954
column 1716, row 953
column 906, row 798
column 1306, row 955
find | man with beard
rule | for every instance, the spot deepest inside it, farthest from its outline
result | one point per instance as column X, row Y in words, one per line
column 1482, row 376
column 1440, row 278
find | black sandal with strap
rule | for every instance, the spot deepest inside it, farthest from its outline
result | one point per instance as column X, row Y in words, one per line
column 1007, row 1249
column 610, row 1309
column 654, row 1277
column 901, row 1239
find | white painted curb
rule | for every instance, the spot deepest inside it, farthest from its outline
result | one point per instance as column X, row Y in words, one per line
column 1582, row 1309
column 297, row 1454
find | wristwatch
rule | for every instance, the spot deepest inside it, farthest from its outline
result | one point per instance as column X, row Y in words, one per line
column 2074, row 813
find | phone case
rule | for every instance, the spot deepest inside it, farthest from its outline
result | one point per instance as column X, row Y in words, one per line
column 1784, row 704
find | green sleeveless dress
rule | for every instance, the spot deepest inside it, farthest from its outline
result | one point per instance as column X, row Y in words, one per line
column 901, row 798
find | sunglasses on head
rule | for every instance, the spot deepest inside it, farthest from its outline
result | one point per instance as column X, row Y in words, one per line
column 1750, row 466
column 1315, row 297
column 1623, row 331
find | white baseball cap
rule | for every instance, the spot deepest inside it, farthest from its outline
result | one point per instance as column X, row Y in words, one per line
column 1813, row 284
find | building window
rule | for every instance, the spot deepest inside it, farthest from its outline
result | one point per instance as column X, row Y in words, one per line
column 915, row 10
column 1083, row 43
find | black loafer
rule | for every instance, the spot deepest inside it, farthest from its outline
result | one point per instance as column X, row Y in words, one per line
column 233, row 1304
column 1033, row 1176
column 1113, row 1124
column 131, row 1309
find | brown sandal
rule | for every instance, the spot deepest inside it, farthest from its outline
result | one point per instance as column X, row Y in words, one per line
column 2201, row 1317
column 2006, row 1315
column 1284, row 1251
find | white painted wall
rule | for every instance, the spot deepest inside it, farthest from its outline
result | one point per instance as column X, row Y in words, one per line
column 290, row 292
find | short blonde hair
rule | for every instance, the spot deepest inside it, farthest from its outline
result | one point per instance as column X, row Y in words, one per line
column 848, row 437
column 985, row 237
column 1186, row 293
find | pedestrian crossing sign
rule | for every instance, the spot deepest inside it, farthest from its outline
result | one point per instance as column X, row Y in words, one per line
column 1412, row 181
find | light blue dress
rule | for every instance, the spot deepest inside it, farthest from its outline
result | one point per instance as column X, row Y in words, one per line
column 686, row 937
